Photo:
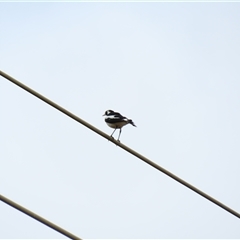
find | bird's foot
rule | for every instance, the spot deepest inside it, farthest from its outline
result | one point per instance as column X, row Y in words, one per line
column 111, row 137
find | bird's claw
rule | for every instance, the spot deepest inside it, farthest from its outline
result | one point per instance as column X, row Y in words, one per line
column 111, row 137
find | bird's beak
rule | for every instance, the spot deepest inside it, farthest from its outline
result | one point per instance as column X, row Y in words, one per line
column 104, row 114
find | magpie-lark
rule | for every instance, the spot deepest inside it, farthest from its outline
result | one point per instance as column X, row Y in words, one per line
column 116, row 120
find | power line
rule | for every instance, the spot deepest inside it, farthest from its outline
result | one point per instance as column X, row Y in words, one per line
column 146, row 160
column 38, row 218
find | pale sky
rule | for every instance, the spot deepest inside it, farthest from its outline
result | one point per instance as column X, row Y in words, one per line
column 173, row 68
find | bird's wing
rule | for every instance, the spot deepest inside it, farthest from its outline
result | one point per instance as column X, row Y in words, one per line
column 116, row 117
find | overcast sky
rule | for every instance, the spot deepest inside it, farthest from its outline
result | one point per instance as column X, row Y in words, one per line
column 171, row 67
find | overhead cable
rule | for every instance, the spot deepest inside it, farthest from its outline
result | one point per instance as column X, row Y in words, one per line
column 38, row 218
column 131, row 151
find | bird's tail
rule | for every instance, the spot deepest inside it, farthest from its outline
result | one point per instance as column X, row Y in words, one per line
column 131, row 122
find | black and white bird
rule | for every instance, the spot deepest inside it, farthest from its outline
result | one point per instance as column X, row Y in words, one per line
column 116, row 120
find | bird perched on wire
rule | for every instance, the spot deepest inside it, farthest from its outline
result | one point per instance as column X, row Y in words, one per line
column 116, row 120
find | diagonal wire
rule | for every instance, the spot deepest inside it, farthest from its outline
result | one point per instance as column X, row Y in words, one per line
column 131, row 151
column 38, row 218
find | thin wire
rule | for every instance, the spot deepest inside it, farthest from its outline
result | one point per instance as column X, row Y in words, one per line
column 146, row 160
column 38, row 218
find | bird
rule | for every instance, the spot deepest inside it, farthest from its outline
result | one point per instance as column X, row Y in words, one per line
column 117, row 121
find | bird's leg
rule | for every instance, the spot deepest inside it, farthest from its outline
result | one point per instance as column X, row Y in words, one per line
column 119, row 134
column 113, row 132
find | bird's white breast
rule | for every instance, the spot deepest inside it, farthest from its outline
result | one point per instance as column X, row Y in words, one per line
column 117, row 125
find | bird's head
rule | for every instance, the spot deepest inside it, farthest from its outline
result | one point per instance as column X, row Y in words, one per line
column 108, row 112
